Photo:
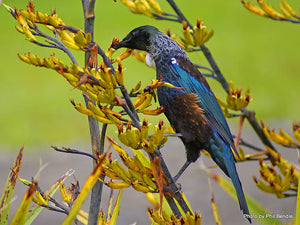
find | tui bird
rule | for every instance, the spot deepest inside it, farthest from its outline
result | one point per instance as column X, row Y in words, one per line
column 192, row 111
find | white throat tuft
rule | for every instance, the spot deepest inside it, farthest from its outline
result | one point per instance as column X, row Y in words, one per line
column 149, row 61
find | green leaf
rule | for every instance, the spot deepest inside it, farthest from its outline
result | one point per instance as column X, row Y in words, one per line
column 214, row 205
column 20, row 216
column 9, row 188
column 254, row 207
column 8, row 8
column 298, row 198
column 145, row 161
column 115, row 214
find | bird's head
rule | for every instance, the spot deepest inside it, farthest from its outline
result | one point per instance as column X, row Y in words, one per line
column 139, row 38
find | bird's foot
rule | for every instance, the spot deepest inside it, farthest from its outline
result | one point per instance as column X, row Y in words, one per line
column 179, row 188
column 180, row 172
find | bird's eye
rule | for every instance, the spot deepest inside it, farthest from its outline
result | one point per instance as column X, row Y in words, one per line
column 134, row 33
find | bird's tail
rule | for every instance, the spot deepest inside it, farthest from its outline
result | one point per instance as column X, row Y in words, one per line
column 222, row 155
column 231, row 169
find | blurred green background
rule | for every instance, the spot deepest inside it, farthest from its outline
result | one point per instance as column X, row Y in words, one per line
column 250, row 50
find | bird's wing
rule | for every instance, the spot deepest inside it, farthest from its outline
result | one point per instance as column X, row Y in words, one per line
column 186, row 75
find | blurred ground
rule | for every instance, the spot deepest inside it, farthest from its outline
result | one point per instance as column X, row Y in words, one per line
column 134, row 205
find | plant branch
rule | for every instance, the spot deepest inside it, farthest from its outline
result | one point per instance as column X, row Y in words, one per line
column 215, row 68
column 73, row 151
column 59, row 44
column 181, row 17
column 287, row 20
column 256, row 127
column 106, row 60
column 89, row 18
column 159, row 17
column 246, row 144
column 174, row 189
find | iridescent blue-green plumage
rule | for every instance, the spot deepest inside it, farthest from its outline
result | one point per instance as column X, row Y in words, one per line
column 193, row 111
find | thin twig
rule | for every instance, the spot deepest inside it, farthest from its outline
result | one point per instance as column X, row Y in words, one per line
column 286, row 20
column 209, row 75
column 44, row 45
column 105, row 59
column 130, row 109
column 205, row 68
column 61, row 207
column 215, row 67
column 256, row 127
column 60, row 45
column 181, row 17
column 74, row 151
column 194, row 50
column 159, row 17
column 247, row 144
column 169, row 14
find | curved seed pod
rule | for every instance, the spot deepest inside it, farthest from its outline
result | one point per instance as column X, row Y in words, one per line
column 187, row 34
column 81, row 108
column 41, row 17
column 96, row 109
column 136, row 175
column 155, row 6
column 111, row 174
column 207, row 36
column 123, row 138
column 156, row 111
column 287, row 8
column 119, row 74
column 80, row 39
column 146, row 103
column 63, row 192
column 19, row 29
column 24, row 58
column 28, row 33
column 264, row 187
column 117, row 185
column 71, row 45
column 296, row 130
column 268, row 9
column 137, row 87
column 101, row 119
column 120, row 171
column 66, row 36
column 142, row 6
column 253, row 8
column 40, row 198
column 149, row 181
column 130, row 4
column 284, row 11
column 287, row 137
column 286, row 182
column 139, row 187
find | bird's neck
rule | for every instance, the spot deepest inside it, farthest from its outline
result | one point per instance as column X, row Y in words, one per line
column 163, row 48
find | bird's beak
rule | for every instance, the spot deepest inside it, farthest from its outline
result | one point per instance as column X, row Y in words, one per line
column 121, row 44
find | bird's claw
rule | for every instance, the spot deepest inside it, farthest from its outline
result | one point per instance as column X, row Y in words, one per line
column 179, row 188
